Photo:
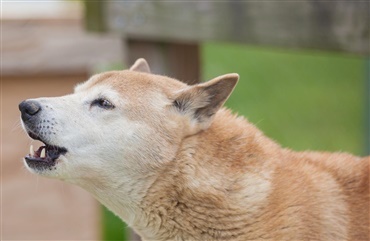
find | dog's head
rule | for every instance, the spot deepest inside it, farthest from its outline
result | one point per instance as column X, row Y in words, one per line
column 118, row 123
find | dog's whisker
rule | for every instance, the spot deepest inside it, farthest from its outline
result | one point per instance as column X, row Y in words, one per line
column 16, row 126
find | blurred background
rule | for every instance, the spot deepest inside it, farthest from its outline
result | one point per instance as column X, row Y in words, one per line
column 304, row 70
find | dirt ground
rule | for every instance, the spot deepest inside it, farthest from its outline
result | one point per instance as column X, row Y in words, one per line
column 32, row 207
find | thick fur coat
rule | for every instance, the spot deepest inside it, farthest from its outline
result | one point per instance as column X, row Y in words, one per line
column 175, row 165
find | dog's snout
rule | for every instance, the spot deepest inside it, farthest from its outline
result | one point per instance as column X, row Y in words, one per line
column 29, row 108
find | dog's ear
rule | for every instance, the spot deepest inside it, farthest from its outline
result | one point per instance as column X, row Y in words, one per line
column 140, row 65
column 200, row 102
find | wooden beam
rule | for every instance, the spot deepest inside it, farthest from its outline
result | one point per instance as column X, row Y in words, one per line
column 327, row 25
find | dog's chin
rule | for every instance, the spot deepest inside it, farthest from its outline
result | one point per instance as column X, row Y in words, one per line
column 46, row 158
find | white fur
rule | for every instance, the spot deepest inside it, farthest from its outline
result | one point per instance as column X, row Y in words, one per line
column 91, row 161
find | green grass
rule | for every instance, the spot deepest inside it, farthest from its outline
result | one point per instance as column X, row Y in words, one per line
column 303, row 100
column 113, row 227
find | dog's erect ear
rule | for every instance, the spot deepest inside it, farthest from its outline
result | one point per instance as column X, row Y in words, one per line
column 202, row 101
column 140, row 65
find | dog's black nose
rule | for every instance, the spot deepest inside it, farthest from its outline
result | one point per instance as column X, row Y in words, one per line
column 29, row 108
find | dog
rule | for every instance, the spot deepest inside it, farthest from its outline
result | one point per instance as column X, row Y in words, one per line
column 174, row 164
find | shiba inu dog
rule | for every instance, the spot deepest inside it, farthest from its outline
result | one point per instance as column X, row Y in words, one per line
column 175, row 165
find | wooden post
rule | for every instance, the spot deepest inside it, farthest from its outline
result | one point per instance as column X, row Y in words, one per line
column 177, row 60
column 95, row 15
column 367, row 106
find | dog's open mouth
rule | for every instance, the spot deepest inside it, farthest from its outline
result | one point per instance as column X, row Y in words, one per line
column 45, row 156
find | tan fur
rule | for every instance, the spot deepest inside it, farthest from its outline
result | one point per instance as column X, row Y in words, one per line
column 211, row 175
column 235, row 184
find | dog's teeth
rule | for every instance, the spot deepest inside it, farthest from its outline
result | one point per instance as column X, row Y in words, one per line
column 32, row 152
column 43, row 153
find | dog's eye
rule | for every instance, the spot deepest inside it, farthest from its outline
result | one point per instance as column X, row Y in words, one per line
column 102, row 103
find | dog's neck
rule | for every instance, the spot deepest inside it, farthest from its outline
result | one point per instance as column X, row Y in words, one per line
column 122, row 198
column 191, row 194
